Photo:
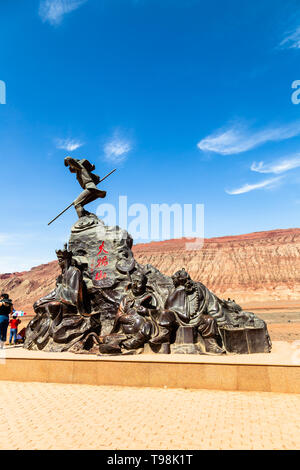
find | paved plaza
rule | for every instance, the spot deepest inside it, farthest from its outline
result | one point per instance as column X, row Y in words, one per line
column 57, row 416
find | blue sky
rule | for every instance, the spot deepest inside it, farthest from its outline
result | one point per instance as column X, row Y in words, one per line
column 190, row 100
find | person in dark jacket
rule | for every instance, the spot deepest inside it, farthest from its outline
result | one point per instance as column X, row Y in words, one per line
column 6, row 308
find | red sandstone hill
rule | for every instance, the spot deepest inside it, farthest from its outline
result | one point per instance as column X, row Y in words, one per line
column 260, row 267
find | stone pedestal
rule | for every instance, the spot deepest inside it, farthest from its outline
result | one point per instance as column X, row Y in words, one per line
column 185, row 334
column 185, row 341
column 163, row 348
column 245, row 340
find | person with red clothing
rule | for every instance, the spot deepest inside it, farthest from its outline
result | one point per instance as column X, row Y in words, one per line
column 14, row 329
column 6, row 308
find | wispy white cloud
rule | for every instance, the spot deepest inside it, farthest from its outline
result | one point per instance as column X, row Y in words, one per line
column 238, row 138
column 68, row 144
column 53, row 11
column 291, row 40
column 280, row 166
column 266, row 184
column 116, row 149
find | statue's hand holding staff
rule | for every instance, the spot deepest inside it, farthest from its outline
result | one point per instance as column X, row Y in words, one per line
column 70, row 205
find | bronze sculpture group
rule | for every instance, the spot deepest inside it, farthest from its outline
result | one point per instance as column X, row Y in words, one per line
column 104, row 302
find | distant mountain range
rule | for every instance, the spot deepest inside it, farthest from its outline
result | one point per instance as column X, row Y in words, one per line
column 260, row 268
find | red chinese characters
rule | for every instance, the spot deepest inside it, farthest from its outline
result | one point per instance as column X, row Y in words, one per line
column 100, row 275
column 101, row 261
column 101, row 248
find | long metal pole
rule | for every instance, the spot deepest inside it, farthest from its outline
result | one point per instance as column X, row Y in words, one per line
column 61, row 213
column 73, row 202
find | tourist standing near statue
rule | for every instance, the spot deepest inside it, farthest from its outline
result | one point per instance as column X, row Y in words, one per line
column 14, row 323
column 6, row 308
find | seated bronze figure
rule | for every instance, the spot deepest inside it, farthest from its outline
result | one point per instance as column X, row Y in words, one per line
column 184, row 307
column 60, row 319
column 133, row 323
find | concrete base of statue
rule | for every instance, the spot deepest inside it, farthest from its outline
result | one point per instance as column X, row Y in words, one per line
column 278, row 371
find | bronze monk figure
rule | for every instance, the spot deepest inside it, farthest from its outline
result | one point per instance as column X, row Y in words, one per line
column 185, row 306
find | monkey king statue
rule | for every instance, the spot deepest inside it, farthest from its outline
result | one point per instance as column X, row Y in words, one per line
column 104, row 302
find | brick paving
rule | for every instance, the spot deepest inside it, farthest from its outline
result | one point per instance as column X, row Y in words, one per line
column 57, row 416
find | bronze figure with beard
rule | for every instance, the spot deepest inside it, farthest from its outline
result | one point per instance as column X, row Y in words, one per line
column 183, row 307
column 60, row 319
